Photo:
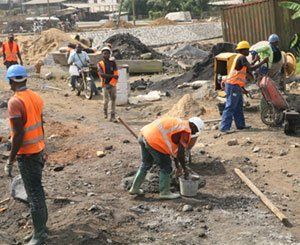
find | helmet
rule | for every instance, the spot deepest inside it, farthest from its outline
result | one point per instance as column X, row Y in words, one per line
column 273, row 38
column 243, row 45
column 16, row 73
column 106, row 49
column 197, row 121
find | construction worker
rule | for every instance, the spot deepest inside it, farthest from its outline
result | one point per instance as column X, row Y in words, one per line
column 108, row 73
column 25, row 110
column 234, row 88
column 11, row 52
column 276, row 60
column 160, row 140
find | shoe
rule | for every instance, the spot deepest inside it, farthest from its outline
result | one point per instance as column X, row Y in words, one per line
column 244, row 127
column 230, row 131
column 28, row 237
column 39, row 220
column 138, row 180
column 164, row 187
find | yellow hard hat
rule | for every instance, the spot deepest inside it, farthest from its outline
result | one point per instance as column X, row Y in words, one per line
column 243, row 45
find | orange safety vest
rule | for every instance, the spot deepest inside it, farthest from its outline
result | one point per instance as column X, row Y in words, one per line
column 235, row 76
column 158, row 134
column 113, row 81
column 11, row 55
column 33, row 140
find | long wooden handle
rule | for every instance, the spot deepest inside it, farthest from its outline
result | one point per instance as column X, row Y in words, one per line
column 263, row 198
column 127, row 127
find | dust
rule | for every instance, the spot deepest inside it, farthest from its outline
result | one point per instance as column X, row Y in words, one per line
column 38, row 47
column 186, row 107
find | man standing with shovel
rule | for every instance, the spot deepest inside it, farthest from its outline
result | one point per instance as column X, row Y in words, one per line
column 25, row 112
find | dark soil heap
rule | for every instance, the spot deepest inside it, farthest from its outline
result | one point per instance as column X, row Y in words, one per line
column 126, row 46
column 201, row 71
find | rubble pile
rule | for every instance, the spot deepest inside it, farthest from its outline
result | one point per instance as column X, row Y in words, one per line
column 163, row 21
column 187, row 51
column 38, row 48
column 122, row 24
column 186, row 107
column 203, row 70
column 126, row 46
column 17, row 26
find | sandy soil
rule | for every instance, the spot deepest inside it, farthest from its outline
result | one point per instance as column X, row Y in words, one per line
column 225, row 210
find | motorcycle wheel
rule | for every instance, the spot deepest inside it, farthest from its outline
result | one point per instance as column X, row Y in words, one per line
column 88, row 92
column 78, row 88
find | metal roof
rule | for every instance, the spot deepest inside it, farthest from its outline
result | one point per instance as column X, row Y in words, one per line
column 35, row 2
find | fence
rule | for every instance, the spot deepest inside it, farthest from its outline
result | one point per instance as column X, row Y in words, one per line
column 255, row 21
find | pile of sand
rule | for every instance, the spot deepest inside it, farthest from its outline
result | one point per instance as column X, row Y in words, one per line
column 163, row 22
column 122, row 24
column 37, row 48
column 186, row 107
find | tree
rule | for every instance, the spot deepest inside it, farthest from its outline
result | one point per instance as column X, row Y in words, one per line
column 141, row 7
column 292, row 6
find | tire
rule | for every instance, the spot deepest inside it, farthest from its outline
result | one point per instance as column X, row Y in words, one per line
column 78, row 87
column 88, row 92
column 267, row 115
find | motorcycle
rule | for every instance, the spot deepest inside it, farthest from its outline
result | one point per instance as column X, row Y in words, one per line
column 84, row 83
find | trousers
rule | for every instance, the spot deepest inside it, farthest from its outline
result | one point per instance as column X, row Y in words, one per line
column 110, row 93
column 233, row 108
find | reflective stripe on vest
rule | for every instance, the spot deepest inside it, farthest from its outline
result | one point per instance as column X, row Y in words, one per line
column 113, row 81
column 159, row 134
column 235, row 76
column 33, row 140
column 11, row 55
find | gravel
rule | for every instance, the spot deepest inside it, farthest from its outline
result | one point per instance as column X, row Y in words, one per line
column 162, row 35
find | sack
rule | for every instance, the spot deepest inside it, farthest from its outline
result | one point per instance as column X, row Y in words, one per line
column 73, row 70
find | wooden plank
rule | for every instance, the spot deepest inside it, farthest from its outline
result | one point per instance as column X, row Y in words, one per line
column 5, row 200
column 263, row 198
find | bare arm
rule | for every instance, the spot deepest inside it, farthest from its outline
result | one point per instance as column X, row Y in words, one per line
column 17, row 138
column 254, row 67
column 20, row 58
column 181, row 156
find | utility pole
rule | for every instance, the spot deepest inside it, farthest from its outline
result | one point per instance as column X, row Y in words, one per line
column 48, row 5
column 120, row 10
column 133, row 11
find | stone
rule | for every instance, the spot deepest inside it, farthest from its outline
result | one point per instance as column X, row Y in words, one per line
column 101, row 154
column 66, row 95
column 126, row 141
column 3, row 104
column 283, row 152
column 208, row 207
column 284, row 171
column 201, row 233
column 108, row 148
column 53, row 136
column 296, row 145
column 93, row 208
column 215, row 127
column 232, row 142
column 248, row 141
column 146, row 56
column 91, row 194
column 187, row 208
column 256, row 149
column 289, row 175
column 17, row 189
column 48, row 75
column 269, row 156
column 58, row 168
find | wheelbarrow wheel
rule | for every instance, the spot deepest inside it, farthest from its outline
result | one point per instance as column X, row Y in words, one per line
column 267, row 115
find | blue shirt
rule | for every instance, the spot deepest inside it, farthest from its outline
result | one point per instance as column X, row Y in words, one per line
column 80, row 59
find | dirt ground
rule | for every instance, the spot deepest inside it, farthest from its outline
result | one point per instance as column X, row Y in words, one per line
column 88, row 204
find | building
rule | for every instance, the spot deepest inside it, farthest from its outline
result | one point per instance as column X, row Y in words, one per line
column 104, row 5
column 8, row 4
column 40, row 7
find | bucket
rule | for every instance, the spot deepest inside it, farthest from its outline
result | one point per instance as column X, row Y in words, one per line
column 189, row 187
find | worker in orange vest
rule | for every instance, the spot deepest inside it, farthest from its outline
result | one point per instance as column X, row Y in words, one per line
column 11, row 52
column 234, row 88
column 160, row 140
column 25, row 110
column 108, row 73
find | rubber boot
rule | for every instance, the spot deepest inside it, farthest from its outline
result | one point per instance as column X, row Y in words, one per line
column 39, row 224
column 164, row 187
column 138, row 180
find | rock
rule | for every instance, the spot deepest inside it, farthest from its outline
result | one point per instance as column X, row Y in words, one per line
column 232, row 142
column 126, row 141
column 93, row 208
column 66, row 95
column 208, row 207
column 3, row 104
column 17, row 189
column 269, row 156
column 146, row 56
column 215, row 127
column 127, row 182
column 284, row 171
column 296, row 145
column 248, row 141
column 283, row 152
column 53, row 136
column 256, row 149
column 49, row 75
column 58, row 168
column 101, row 154
column 201, row 233
column 91, row 194
column 108, row 148
column 289, row 175
column 107, row 139
column 187, row 208
column 184, row 85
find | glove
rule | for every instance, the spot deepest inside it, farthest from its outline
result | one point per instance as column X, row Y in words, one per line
column 8, row 168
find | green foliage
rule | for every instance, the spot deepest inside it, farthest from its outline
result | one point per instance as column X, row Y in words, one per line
column 155, row 14
column 292, row 6
column 298, row 68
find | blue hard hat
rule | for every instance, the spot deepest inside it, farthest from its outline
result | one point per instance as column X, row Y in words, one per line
column 16, row 73
column 273, row 38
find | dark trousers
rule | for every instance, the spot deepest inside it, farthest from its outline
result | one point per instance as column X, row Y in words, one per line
column 10, row 63
column 93, row 85
column 150, row 156
column 233, row 108
column 31, row 167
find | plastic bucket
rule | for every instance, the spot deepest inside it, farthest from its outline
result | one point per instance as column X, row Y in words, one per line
column 189, row 187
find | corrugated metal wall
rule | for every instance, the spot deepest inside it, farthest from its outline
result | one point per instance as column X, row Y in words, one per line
column 255, row 21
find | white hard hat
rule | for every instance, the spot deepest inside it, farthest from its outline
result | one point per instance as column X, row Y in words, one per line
column 197, row 121
column 106, row 49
